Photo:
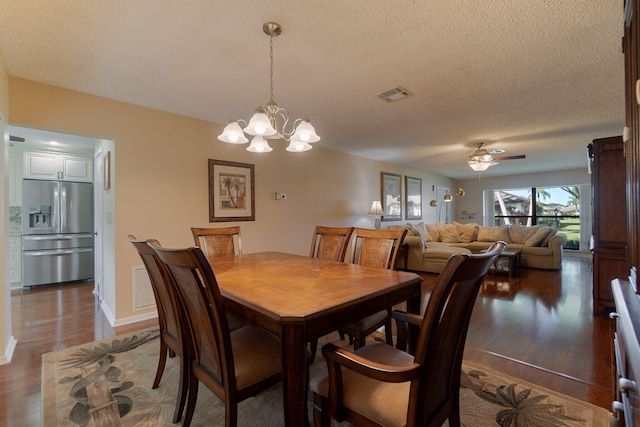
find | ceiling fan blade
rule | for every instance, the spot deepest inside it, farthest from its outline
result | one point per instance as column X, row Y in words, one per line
column 521, row 156
column 16, row 138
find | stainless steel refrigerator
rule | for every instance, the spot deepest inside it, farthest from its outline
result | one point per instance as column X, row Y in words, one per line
column 57, row 232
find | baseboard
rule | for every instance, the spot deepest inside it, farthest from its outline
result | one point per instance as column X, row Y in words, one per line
column 11, row 346
column 578, row 254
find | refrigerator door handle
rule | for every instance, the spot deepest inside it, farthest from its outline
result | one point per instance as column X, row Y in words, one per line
column 63, row 208
column 55, row 221
column 56, row 252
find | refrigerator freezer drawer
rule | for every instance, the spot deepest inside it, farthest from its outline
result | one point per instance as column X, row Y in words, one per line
column 44, row 267
column 56, row 241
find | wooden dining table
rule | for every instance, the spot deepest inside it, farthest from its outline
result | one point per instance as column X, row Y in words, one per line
column 299, row 298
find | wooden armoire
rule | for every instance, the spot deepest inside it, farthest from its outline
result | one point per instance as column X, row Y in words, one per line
column 609, row 239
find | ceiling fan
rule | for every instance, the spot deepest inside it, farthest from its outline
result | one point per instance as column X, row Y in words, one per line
column 481, row 158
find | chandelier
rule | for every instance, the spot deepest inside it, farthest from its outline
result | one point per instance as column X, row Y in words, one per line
column 270, row 122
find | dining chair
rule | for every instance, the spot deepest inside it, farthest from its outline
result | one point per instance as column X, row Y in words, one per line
column 234, row 365
column 379, row 249
column 172, row 340
column 330, row 242
column 383, row 385
column 217, row 242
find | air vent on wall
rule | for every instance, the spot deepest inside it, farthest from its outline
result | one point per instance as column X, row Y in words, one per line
column 142, row 293
column 395, row 94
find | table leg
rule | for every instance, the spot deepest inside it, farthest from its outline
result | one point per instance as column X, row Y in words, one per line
column 294, row 375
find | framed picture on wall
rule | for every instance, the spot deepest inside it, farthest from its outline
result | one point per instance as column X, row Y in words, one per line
column 391, row 196
column 413, row 197
column 231, row 191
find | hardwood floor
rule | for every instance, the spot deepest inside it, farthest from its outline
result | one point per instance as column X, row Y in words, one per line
column 538, row 327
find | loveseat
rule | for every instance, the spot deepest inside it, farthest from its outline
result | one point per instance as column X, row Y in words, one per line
column 429, row 246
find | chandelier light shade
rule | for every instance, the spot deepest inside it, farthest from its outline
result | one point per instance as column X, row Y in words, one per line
column 433, row 203
column 460, row 192
column 447, row 198
column 272, row 121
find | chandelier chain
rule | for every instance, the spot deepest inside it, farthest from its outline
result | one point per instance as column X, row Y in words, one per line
column 271, row 69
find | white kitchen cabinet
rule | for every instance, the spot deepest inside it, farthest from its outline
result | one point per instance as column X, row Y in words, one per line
column 15, row 178
column 42, row 165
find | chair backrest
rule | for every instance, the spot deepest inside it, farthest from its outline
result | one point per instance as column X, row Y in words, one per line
column 218, row 242
column 166, row 300
column 375, row 248
column 443, row 334
column 195, row 283
column 330, row 242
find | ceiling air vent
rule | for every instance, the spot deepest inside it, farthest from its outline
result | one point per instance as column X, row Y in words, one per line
column 395, row 94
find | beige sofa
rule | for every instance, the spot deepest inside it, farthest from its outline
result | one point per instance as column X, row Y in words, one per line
column 429, row 246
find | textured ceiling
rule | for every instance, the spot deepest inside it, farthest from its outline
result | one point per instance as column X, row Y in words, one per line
column 538, row 77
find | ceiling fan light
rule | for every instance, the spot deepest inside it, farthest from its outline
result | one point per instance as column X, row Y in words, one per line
column 232, row 133
column 259, row 125
column 259, row 145
column 479, row 166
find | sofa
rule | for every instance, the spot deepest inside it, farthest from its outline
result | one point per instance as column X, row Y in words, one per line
column 427, row 247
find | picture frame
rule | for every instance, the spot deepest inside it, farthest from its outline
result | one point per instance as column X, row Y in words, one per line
column 413, row 197
column 231, row 191
column 391, row 196
column 106, row 170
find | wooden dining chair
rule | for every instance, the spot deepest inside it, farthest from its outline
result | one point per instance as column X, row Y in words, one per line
column 172, row 341
column 410, row 390
column 218, row 242
column 330, row 242
column 379, row 249
column 234, row 365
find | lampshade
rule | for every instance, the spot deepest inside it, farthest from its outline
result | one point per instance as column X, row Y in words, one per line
column 305, row 132
column 233, row 134
column 479, row 166
column 260, row 124
column 376, row 208
column 259, row 145
column 447, row 198
column 297, row 146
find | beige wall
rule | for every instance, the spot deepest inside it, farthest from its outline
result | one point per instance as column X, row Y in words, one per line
column 160, row 185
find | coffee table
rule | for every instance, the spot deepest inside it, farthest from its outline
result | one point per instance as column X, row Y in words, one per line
column 508, row 262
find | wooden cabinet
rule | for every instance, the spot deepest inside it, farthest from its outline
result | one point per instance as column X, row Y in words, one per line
column 42, row 165
column 609, row 220
column 627, row 353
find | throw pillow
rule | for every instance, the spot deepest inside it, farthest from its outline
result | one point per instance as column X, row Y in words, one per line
column 520, row 234
column 493, row 234
column 422, row 229
column 448, row 233
column 538, row 236
column 467, row 232
column 411, row 230
column 433, row 232
column 545, row 241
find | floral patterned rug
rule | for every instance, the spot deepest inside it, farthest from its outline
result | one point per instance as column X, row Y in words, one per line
column 117, row 373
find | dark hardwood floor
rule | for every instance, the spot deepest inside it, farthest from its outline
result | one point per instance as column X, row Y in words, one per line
column 538, row 327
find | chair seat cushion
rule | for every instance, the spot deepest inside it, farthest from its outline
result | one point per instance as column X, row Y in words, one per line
column 256, row 355
column 385, row 403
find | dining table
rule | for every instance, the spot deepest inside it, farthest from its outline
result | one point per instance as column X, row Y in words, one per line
column 299, row 298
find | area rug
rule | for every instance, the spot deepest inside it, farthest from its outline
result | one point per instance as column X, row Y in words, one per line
column 118, row 373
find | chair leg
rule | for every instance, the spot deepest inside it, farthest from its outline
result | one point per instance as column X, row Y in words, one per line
column 313, row 348
column 161, row 363
column 321, row 416
column 191, row 401
column 183, row 389
column 359, row 340
column 454, row 415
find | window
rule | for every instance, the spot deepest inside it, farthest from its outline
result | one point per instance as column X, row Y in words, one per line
column 554, row 206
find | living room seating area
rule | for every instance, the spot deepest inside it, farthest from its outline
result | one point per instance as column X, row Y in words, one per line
column 429, row 246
